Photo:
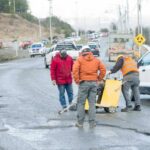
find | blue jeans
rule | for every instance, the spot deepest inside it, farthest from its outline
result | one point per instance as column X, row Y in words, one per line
column 69, row 90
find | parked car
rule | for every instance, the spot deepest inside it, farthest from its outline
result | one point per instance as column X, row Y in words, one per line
column 79, row 46
column 94, row 48
column 45, row 41
column 25, row 44
column 37, row 49
column 144, row 69
column 68, row 46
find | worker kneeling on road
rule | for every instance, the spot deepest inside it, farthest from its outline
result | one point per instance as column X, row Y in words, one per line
column 86, row 74
column 131, row 81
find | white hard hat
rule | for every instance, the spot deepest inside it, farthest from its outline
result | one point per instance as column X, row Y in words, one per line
column 85, row 49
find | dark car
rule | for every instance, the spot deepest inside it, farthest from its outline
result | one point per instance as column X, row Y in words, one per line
column 94, row 48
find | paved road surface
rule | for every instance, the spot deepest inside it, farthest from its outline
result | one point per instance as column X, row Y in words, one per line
column 29, row 119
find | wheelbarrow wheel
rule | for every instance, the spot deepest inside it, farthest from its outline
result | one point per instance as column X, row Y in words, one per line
column 110, row 109
column 86, row 111
column 107, row 109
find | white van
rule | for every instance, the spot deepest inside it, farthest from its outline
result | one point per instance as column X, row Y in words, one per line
column 37, row 49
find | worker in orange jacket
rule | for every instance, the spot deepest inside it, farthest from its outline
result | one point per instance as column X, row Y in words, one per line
column 87, row 72
column 131, row 81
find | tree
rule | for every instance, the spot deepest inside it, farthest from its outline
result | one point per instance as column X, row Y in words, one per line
column 7, row 6
column 4, row 6
column 21, row 6
column 60, row 26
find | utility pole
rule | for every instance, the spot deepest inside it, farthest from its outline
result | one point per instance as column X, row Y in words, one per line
column 40, row 31
column 120, row 20
column 76, row 6
column 50, row 20
column 139, row 15
column 14, row 1
column 127, row 16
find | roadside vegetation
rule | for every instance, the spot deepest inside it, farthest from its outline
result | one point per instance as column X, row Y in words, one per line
column 17, row 23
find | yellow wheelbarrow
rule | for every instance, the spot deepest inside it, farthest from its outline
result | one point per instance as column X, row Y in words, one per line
column 109, row 99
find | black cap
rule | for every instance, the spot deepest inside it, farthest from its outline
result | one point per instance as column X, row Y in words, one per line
column 63, row 53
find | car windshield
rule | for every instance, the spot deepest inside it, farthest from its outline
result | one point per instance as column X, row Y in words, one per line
column 36, row 46
column 92, row 46
column 66, row 47
column 79, row 47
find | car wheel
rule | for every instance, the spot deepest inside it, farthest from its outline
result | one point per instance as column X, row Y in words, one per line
column 86, row 111
column 107, row 109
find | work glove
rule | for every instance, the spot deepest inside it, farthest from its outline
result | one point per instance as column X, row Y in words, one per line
column 109, row 72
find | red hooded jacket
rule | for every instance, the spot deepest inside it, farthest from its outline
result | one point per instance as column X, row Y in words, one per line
column 60, row 69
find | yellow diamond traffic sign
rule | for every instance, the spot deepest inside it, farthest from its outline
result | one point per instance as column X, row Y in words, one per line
column 139, row 39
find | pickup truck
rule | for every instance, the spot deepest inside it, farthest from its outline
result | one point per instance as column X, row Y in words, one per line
column 120, row 44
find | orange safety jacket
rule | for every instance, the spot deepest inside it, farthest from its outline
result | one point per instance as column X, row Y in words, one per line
column 129, row 65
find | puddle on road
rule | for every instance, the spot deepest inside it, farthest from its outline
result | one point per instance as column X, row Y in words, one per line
column 30, row 135
column 53, row 125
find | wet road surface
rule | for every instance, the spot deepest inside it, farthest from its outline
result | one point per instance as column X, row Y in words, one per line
column 29, row 119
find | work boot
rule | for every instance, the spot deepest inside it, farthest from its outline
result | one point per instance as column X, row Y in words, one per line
column 79, row 125
column 126, row 109
column 93, row 125
column 64, row 109
column 137, row 108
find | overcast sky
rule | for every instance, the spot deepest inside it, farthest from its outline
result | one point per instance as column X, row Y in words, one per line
column 89, row 13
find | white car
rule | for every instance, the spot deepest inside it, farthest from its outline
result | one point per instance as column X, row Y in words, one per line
column 37, row 49
column 69, row 47
column 144, row 69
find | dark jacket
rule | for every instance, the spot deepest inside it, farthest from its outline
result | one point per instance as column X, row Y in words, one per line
column 60, row 69
column 118, row 65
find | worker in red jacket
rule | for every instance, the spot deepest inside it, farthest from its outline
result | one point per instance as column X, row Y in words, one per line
column 60, row 72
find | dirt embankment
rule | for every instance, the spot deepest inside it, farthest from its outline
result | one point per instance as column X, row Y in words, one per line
column 15, row 27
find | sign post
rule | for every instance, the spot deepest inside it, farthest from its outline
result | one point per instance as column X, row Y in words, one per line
column 139, row 40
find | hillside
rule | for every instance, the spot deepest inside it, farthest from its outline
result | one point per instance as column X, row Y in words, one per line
column 15, row 27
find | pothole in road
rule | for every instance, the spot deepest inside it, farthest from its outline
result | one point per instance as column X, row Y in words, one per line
column 4, row 130
column 124, row 128
column 59, row 124
column 3, row 105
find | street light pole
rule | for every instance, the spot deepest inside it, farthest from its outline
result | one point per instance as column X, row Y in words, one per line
column 139, row 15
column 14, row 6
column 50, row 20
column 76, row 7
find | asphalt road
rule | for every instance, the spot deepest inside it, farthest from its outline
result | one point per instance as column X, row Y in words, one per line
column 29, row 119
